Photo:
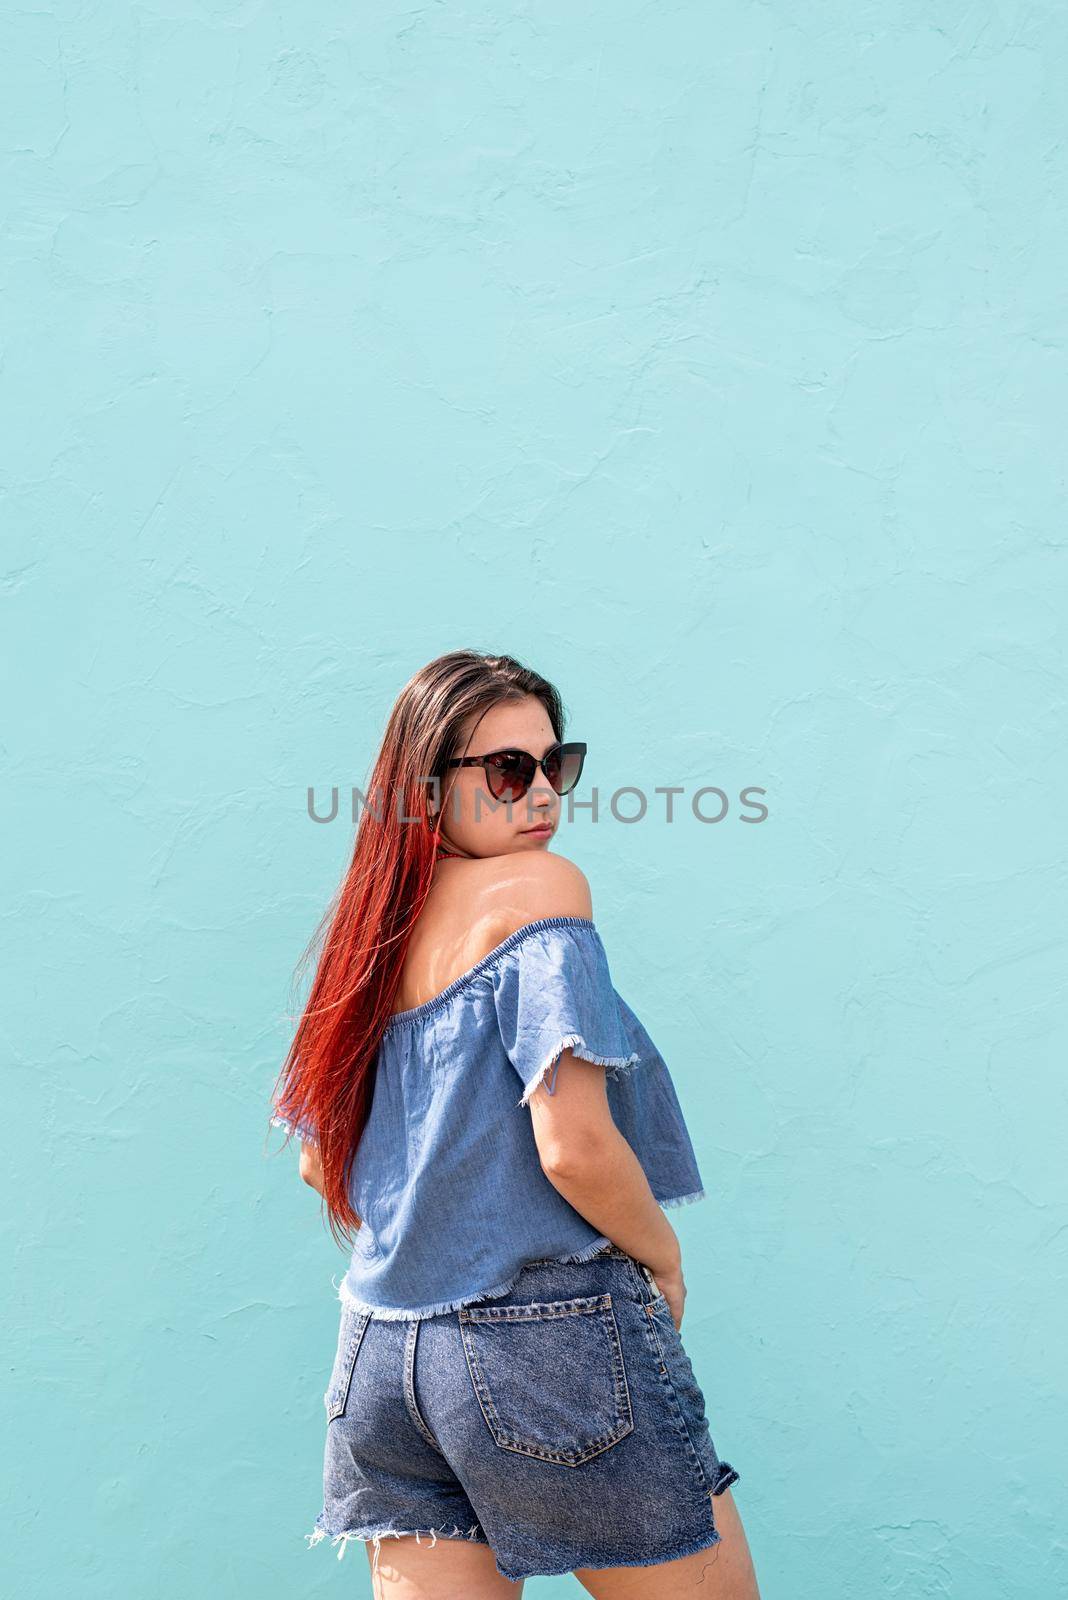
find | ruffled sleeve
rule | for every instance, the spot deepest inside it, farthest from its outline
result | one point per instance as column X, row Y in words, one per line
column 553, row 992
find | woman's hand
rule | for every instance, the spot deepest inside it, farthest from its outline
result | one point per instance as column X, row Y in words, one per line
column 669, row 1281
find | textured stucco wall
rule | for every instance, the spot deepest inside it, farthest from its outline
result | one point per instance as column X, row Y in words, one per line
column 712, row 358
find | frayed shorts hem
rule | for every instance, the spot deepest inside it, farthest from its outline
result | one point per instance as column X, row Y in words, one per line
column 594, row 1563
column 376, row 1535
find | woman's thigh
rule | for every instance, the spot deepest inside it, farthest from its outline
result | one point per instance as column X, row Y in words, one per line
column 445, row 1569
column 725, row 1572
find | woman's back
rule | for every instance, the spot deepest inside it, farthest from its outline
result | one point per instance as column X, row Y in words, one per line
column 448, row 1176
column 473, row 905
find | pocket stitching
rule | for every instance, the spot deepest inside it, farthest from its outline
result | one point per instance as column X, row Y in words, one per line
column 544, row 1311
column 337, row 1394
column 536, row 1310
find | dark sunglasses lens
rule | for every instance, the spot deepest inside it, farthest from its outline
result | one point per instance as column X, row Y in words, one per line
column 509, row 774
column 564, row 767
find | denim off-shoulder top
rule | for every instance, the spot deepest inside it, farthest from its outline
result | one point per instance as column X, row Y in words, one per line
column 447, row 1177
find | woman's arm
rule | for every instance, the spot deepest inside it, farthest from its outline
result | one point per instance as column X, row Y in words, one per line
column 311, row 1168
column 589, row 1162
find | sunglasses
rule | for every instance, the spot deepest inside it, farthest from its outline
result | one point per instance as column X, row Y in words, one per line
column 510, row 773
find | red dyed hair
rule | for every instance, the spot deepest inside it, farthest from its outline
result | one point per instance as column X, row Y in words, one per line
column 327, row 1079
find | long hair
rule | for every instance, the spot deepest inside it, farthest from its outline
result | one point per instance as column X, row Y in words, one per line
column 327, row 1079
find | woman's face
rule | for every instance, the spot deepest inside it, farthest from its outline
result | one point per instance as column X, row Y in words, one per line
column 474, row 822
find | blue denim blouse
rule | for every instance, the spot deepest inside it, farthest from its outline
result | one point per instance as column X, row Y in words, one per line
column 447, row 1177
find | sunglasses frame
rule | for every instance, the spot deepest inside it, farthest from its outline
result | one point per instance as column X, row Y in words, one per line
column 570, row 745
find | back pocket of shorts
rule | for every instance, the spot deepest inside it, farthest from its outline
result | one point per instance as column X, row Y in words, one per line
column 549, row 1377
column 350, row 1331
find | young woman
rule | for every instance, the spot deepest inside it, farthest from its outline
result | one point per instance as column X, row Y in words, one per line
column 510, row 1395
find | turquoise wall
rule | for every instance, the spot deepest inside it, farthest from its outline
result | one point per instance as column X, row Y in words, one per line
column 712, row 360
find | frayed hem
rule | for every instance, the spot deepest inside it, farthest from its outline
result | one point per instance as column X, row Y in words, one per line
column 684, row 1199
column 376, row 1535
column 410, row 1314
column 302, row 1133
column 578, row 1046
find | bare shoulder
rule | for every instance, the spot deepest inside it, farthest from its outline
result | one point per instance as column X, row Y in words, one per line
column 527, row 888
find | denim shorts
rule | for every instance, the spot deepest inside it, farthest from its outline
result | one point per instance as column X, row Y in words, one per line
column 559, row 1423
